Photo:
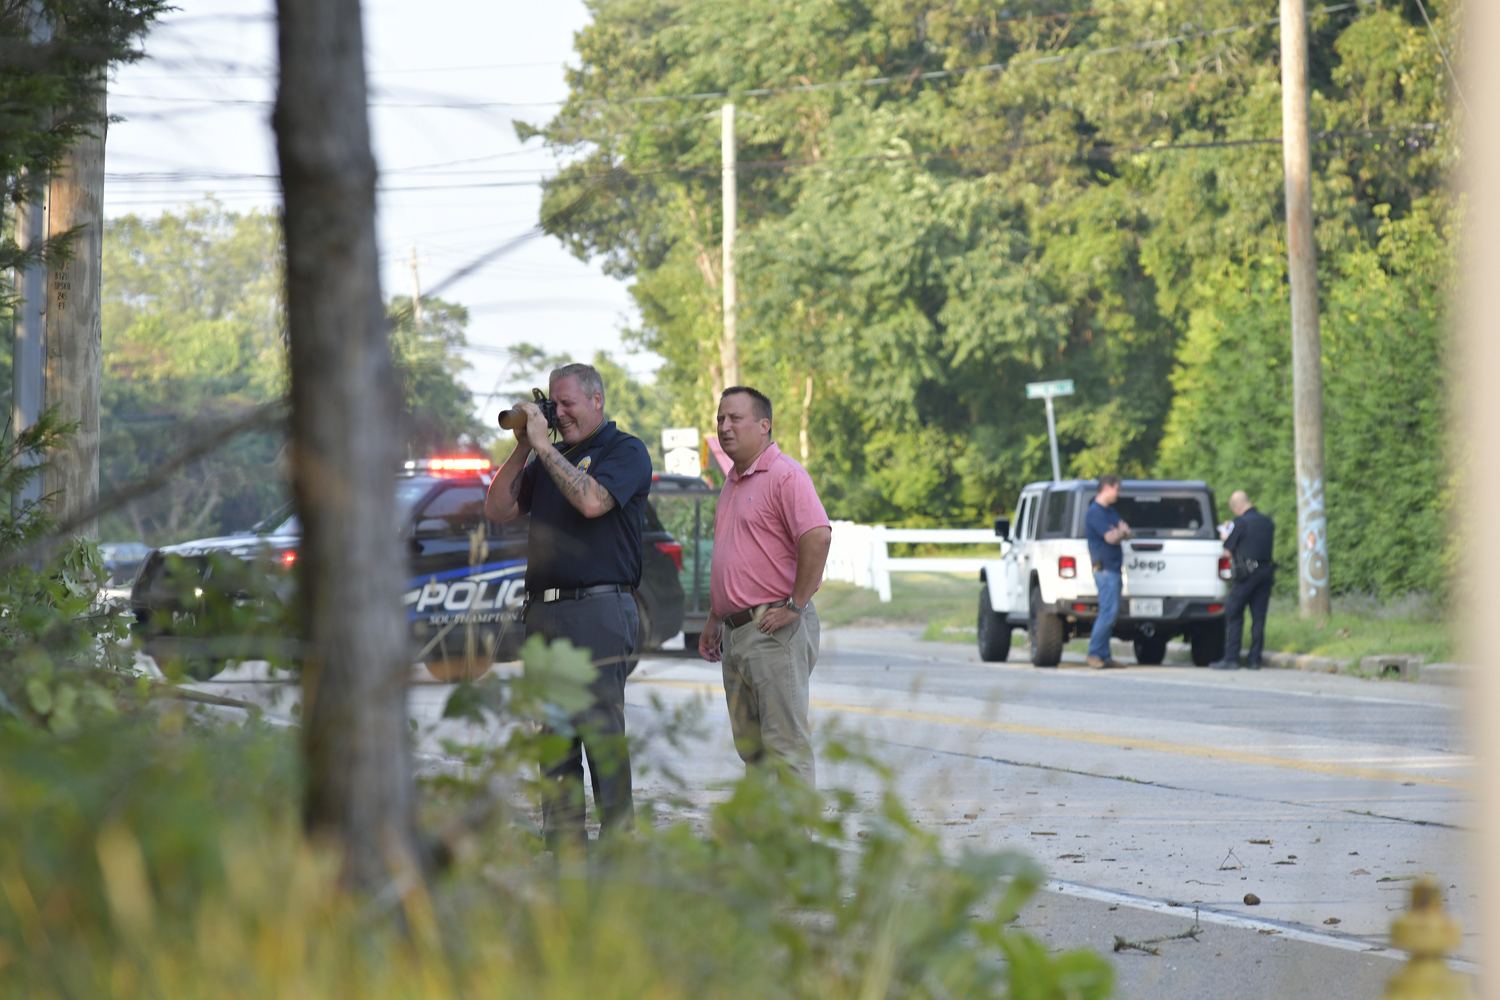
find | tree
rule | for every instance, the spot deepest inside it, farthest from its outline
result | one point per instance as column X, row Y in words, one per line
column 53, row 54
column 437, row 408
column 194, row 331
column 345, row 399
column 1025, row 194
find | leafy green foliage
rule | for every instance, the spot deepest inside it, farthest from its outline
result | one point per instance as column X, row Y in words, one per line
column 63, row 655
column 1385, row 404
column 161, row 854
column 194, row 333
column 922, row 248
column 438, row 408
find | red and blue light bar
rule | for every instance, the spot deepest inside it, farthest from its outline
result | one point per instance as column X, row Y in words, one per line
column 466, row 463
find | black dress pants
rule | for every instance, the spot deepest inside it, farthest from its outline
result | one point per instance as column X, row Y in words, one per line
column 605, row 625
column 1254, row 593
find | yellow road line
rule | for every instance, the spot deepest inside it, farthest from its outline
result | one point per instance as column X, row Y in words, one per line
column 1103, row 739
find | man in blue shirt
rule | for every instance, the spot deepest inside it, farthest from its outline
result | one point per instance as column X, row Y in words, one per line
column 1105, row 533
column 587, row 499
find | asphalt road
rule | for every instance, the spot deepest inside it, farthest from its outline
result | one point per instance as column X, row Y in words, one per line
column 1151, row 794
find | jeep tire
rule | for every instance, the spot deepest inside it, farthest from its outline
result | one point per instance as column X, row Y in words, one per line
column 994, row 630
column 1044, row 631
column 1208, row 643
column 1150, row 651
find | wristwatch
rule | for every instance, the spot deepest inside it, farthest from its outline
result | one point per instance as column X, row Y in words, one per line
column 793, row 605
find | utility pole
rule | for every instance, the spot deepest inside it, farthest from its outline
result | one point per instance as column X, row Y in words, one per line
column 73, row 338
column 29, row 350
column 1307, row 353
column 729, row 349
column 416, row 290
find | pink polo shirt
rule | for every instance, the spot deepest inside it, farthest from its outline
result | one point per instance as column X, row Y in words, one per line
column 761, row 516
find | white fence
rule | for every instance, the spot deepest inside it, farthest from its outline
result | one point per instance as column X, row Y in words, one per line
column 859, row 553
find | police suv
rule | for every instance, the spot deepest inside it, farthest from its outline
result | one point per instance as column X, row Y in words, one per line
column 465, row 576
column 1174, row 571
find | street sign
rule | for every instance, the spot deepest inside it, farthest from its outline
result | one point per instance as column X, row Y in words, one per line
column 680, row 454
column 684, row 462
column 1046, row 390
column 679, row 437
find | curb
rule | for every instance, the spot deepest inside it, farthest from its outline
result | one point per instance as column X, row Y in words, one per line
column 1385, row 666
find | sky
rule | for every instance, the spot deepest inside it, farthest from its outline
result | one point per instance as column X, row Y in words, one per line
column 448, row 79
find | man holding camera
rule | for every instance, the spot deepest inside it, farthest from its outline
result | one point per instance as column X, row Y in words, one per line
column 771, row 539
column 1106, row 530
column 1249, row 546
column 587, row 499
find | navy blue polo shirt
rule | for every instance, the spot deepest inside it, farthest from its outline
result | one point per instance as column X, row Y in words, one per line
column 1253, row 537
column 566, row 550
column 1099, row 520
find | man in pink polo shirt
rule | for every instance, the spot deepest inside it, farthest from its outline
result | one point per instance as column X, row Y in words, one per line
column 771, row 538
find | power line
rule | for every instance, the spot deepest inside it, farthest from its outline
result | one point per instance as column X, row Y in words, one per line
column 1439, row 46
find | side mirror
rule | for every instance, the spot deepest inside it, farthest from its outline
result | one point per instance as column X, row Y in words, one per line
column 433, row 527
column 1002, row 527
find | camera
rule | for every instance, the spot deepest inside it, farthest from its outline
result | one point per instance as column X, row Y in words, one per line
column 515, row 419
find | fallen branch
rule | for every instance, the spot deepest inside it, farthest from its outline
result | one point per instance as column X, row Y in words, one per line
column 1148, row 945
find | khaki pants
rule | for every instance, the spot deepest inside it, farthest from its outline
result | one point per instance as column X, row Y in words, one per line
column 765, row 684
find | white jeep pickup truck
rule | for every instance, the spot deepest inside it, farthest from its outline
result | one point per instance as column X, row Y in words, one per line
column 1175, row 572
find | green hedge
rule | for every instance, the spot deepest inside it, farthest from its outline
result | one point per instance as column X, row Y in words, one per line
column 1384, row 399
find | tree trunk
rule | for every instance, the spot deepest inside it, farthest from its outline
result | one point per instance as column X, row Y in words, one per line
column 345, row 447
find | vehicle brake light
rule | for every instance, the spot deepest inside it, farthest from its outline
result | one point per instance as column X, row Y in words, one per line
column 1225, row 573
column 1081, row 607
column 1214, row 609
column 289, row 557
column 1067, row 567
column 440, row 465
column 673, row 551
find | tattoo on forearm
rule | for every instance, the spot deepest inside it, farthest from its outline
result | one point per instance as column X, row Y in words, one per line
column 515, row 485
column 575, row 484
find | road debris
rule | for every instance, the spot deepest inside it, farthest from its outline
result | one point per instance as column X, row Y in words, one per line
column 1149, row 945
column 1251, row 899
column 1332, row 920
column 1266, row 842
column 1225, row 866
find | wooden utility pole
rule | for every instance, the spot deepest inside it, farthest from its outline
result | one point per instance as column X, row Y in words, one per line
column 345, row 449
column 1307, row 353
column 74, row 333
column 416, row 290
column 729, row 348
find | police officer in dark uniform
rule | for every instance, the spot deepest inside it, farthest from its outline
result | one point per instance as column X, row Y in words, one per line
column 587, row 500
column 1249, row 545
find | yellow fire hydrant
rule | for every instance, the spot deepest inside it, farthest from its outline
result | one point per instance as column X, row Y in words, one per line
column 1428, row 934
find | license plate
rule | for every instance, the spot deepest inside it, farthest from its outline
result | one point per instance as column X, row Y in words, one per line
column 1145, row 607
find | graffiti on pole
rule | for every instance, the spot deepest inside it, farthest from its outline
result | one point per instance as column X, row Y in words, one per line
column 1312, row 534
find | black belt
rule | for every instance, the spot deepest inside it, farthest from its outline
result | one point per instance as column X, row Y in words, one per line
column 737, row 618
column 548, row 596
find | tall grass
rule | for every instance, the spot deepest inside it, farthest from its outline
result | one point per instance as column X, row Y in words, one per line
column 161, row 857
